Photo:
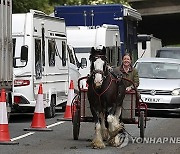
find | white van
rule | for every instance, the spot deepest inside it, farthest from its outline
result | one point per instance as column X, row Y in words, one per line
column 41, row 56
column 75, row 67
column 83, row 38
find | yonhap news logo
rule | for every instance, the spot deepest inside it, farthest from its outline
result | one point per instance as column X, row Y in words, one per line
column 156, row 140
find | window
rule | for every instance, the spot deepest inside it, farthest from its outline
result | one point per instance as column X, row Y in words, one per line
column 110, row 56
column 71, row 58
column 43, row 46
column 51, row 52
column 63, row 53
column 108, row 53
column 14, row 45
column 38, row 65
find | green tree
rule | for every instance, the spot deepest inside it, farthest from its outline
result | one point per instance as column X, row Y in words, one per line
column 47, row 6
column 23, row 6
column 81, row 2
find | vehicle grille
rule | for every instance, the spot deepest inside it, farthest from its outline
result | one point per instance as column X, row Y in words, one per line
column 163, row 106
column 158, row 92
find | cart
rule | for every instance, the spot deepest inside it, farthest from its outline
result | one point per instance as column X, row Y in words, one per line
column 134, row 110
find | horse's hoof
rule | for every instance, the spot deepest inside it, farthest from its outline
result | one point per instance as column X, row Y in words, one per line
column 114, row 133
column 115, row 142
column 97, row 145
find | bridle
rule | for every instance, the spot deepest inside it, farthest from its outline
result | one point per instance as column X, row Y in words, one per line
column 104, row 58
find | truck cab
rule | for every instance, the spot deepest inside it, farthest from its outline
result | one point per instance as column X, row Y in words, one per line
column 125, row 17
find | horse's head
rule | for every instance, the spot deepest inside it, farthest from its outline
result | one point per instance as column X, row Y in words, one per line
column 98, row 65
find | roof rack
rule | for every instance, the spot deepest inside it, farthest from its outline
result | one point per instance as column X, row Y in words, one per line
column 37, row 12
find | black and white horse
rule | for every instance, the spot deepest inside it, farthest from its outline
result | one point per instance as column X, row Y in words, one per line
column 102, row 95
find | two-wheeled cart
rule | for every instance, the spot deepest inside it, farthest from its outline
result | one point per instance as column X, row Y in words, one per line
column 134, row 110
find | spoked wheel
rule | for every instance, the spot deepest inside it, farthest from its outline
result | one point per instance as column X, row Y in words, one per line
column 76, row 124
column 142, row 124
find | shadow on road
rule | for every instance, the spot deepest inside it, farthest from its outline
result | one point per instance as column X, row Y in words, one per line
column 21, row 117
column 163, row 115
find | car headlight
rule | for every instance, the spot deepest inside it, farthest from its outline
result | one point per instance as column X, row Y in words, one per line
column 176, row 92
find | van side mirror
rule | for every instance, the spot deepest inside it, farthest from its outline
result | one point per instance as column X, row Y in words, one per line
column 24, row 53
column 83, row 63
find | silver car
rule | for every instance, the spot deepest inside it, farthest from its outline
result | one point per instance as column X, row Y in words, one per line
column 160, row 84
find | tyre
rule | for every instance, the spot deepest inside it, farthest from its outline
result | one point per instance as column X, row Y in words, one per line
column 76, row 124
column 9, row 105
column 51, row 110
column 141, row 124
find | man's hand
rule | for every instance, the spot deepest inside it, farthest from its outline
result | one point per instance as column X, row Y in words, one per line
column 129, row 88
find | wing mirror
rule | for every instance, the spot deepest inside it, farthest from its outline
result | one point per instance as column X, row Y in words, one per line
column 24, row 53
column 83, row 63
column 23, row 58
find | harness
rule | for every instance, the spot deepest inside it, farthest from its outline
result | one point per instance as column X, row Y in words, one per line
column 100, row 94
column 110, row 73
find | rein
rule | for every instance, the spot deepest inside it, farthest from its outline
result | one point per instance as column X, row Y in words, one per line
column 99, row 95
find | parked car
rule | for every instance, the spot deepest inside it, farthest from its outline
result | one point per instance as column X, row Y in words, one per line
column 160, row 84
column 169, row 52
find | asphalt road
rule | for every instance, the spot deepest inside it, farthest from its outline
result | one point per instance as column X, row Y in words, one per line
column 162, row 137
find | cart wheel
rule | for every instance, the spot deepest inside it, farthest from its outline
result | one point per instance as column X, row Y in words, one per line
column 141, row 124
column 76, row 124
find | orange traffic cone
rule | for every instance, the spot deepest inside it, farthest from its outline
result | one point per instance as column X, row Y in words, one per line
column 38, row 122
column 4, row 129
column 68, row 114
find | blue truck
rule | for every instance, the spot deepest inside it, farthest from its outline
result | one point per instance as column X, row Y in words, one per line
column 96, row 15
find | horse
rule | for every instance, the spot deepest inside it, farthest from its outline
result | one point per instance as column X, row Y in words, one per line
column 102, row 95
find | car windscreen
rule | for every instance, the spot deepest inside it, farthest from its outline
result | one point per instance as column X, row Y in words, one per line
column 158, row 70
column 82, row 50
column 168, row 54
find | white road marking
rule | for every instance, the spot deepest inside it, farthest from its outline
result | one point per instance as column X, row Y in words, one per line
column 55, row 124
column 22, row 136
column 31, row 133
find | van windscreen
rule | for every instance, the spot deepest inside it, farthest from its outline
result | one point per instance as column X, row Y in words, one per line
column 168, row 54
column 82, row 50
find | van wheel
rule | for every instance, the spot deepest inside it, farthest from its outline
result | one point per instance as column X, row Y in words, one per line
column 9, row 105
column 51, row 110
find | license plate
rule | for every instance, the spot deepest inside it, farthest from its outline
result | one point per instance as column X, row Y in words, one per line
column 151, row 100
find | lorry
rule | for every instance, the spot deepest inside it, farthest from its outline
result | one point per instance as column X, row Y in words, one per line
column 6, row 54
column 41, row 55
column 96, row 15
column 148, row 45
column 88, row 37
